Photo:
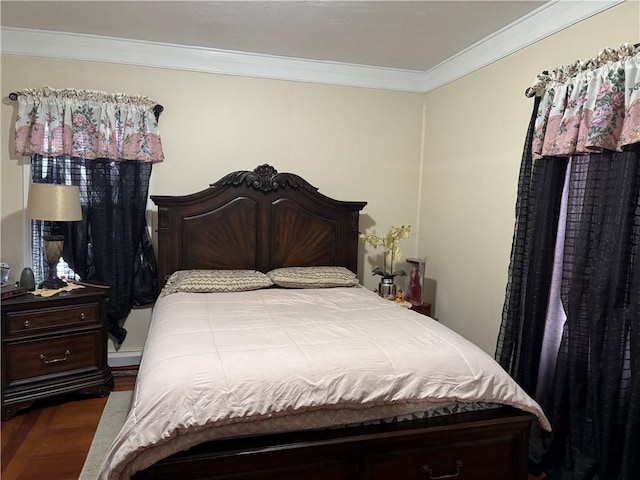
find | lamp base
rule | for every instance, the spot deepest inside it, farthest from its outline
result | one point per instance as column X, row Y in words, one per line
column 53, row 245
column 53, row 284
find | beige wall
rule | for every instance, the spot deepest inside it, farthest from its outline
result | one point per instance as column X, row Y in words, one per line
column 352, row 143
column 475, row 130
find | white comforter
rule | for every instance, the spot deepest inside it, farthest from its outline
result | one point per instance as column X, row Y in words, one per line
column 224, row 364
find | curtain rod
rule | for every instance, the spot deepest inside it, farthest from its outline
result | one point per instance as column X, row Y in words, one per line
column 157, row 110
column 529, row 91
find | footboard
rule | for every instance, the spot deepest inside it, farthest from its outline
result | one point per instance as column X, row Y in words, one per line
column 489, row 445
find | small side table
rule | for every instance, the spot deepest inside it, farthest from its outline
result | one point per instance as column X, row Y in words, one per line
column 424, row 309
column 52, row 346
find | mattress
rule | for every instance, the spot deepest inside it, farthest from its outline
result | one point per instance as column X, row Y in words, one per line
column 219, row 365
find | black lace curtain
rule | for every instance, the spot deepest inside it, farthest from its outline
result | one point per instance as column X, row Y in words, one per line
column 590, row 387
column 111, row 244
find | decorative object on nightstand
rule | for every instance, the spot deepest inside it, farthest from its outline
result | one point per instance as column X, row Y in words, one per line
column 416, row 280
column 5, row 269
column 52, row 346
column 54, row 203
column 389, row 243
column 27, row 279
column 400, row 300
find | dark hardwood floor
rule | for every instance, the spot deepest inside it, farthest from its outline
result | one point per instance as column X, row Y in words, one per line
column 51, row 440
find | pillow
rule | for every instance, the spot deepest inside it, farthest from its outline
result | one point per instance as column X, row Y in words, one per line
column 205, row 281
column 313, row 277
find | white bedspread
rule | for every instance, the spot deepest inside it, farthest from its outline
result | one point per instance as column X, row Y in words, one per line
column 224, row 364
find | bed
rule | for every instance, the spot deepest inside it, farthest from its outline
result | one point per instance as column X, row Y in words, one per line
column 266, row 360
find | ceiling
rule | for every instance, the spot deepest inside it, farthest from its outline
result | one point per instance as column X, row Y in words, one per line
column 412, row 46
column 410, row 35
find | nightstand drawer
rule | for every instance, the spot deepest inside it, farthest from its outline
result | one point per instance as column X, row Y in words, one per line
column 50, row 356
column 34, row 320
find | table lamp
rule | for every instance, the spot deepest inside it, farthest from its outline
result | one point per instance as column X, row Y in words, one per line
column 54, row 203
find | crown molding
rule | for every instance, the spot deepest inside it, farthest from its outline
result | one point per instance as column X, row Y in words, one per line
column 541, row 23
column 96, row 48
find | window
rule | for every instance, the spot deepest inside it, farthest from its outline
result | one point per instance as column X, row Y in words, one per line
column 49, row 170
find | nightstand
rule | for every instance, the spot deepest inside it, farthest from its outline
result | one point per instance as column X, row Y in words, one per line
column 424, row 309
column 54, row 345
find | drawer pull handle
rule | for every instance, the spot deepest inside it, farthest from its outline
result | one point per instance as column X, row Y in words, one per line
column 27, row 323
column 82, row 316
column 459, row 466
column 46, row 361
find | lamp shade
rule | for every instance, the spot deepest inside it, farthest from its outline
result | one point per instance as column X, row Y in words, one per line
column 56, row 203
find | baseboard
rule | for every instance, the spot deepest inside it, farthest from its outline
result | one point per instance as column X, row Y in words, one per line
column 124, row 359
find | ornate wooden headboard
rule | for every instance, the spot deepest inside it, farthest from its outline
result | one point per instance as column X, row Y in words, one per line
column 258, row 219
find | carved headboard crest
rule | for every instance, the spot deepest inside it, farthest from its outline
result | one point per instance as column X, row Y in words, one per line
column 264, row 178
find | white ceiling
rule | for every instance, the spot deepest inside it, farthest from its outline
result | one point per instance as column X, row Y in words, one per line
column 411, row 35
column 408, row 36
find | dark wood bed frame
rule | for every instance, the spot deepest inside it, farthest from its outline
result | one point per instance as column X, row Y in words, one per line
column 261, row 220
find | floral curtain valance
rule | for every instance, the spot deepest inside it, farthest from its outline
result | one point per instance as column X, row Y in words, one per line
column 87, row 124
column 589, row 106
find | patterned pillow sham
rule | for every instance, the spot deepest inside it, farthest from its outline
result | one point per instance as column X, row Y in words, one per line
column 313, row 277
column 206, row 281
